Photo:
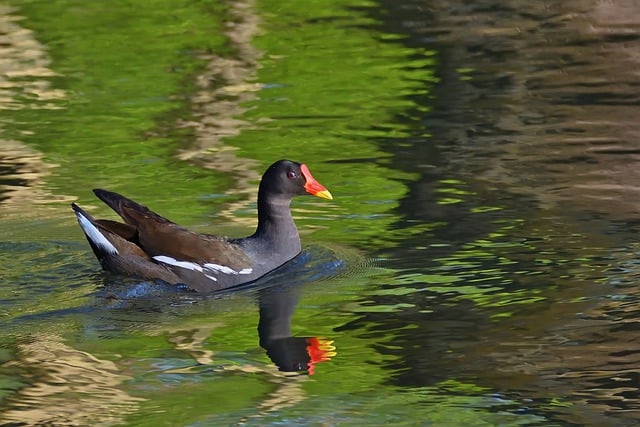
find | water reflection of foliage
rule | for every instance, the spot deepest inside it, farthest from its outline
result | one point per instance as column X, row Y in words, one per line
column 55, row 377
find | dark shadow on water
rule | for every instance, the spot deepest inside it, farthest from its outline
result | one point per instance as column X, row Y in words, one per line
column 290, row 353
column 314, row 263
column 124, row 302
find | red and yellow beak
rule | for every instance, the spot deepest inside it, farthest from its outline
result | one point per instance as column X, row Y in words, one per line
column 319, row 350
column 312, row 186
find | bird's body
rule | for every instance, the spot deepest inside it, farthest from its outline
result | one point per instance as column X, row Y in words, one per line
column 149, row 246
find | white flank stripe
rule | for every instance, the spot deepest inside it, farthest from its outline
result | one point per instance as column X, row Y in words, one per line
column 183, row 264
column 207, row 268
column 220, row 268
column 95, row 235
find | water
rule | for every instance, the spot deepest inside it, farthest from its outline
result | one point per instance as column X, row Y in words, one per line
column 476, row 267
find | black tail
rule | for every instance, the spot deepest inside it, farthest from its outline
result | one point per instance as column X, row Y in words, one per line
column 129, row 210
column 117, row 202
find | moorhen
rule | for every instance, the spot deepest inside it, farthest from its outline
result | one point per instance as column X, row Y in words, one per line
column 151, row 247
column 289, row 353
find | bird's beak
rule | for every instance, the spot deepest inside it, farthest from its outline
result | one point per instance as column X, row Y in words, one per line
column 312, row 186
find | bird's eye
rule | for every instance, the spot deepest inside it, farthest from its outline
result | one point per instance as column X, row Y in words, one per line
column 292, row 175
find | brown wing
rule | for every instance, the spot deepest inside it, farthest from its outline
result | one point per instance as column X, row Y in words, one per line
column 174, row 241
column 126, row 231
column 157, row 235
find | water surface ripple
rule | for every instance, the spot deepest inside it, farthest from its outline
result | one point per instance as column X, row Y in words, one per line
column 478, row 265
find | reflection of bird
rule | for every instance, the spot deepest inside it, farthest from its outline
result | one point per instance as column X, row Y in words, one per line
column 294, row 354
column 290, row 354
column 149, row 246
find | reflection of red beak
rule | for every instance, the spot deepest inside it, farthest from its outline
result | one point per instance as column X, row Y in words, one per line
column 319, row 350
column 312, row 186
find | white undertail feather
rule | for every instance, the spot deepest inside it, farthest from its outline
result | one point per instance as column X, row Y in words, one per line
column 95, row 235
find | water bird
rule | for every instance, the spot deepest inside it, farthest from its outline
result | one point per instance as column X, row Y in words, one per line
column 151, row 247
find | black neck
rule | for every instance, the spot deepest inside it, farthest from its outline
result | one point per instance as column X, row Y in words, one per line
column 275, row 225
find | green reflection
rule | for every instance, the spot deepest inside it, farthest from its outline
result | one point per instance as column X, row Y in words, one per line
column 123, row 67
column 328, row 92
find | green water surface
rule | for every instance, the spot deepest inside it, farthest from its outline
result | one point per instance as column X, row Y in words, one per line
column 181, row 105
